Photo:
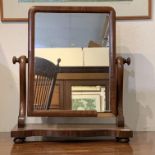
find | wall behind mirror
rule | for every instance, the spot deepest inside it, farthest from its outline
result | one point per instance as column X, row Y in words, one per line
column 80, row 40
column 73, row 35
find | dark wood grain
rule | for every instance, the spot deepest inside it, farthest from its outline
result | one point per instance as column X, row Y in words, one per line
column 143, row 143
column 90, row 69
column 120, row 61
column 112, row 53
column 69, row 130
column 22, row 77
column 83, row 76
column 64, row 113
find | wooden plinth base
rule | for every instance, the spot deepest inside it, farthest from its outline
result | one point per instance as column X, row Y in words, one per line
column 121, row 134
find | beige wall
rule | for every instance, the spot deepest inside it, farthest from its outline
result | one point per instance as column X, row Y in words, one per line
column 78, row 56
column 134, row 38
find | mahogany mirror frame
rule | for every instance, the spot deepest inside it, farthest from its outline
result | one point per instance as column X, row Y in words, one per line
column 31, row 53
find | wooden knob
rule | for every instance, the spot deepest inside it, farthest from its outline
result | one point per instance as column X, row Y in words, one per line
column 127, row 61
column 15, row 59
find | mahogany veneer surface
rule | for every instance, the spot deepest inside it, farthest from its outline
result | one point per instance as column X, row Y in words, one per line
column 76, row 130
column 143, row 143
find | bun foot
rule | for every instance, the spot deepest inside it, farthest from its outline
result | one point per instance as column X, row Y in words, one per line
column 19, row 140
column 122, row 140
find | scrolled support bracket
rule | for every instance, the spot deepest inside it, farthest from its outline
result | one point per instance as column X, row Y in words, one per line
column 22, row 60
column 120, row 61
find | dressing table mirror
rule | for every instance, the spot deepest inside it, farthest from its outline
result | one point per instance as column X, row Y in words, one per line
column 72, row 72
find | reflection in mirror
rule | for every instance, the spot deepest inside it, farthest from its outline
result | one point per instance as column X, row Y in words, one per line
column 78, row 36
column 71, row 30
column 44, row 82
column 89, row 98
column 79, row 40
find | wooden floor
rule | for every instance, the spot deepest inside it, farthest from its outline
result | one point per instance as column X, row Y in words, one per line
column 143, row 143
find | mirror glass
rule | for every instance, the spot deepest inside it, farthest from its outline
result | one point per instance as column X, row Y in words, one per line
column 80, row 40
column 89, row 98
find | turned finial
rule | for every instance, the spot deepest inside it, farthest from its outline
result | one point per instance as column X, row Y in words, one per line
column 127, row 61
column 20, row 59
column 15, row 59
column 58, row 61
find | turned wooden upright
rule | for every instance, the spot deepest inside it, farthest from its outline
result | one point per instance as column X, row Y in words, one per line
column 22, row 76
column 120, row 61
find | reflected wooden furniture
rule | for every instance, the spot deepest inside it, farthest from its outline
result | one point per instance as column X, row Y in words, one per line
column 65, row 80
column 75, row 76
column 45, row 78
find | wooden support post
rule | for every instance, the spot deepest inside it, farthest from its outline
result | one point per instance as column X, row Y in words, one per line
column 22, row 76
column 120, row 61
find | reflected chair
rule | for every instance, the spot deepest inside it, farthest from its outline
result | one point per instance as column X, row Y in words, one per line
column 45, row 77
